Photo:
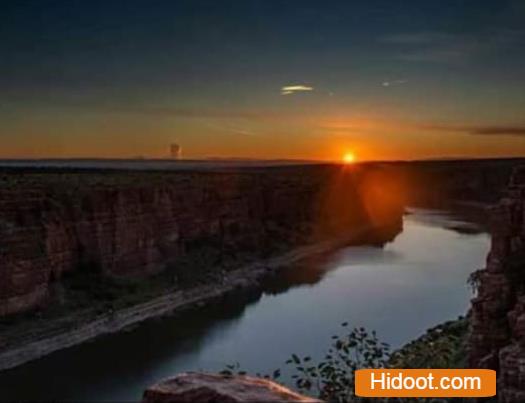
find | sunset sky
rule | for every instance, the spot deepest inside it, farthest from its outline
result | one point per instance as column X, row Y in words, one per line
column 262, row 79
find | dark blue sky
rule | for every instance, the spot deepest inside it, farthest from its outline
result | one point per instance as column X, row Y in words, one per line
column 126, row 78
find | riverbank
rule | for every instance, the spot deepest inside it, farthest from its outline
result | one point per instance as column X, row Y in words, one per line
column 77, row 329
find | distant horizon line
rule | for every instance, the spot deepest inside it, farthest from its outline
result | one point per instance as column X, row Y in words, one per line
column 245, row 159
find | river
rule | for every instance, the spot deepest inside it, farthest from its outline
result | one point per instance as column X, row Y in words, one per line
column 400, row 290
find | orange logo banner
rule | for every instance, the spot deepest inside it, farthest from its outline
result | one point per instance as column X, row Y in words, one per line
column 425, row 383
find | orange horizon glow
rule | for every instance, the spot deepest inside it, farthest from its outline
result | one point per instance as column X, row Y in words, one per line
column 327, row 138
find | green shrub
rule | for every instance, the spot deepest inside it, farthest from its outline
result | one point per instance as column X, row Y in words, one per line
column 332, row 378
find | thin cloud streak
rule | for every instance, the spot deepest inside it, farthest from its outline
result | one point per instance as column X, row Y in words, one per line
column 198, row 113
column 204, row 112
column 391, row 83
column 447, row 47
column 518, row 130
column 230, row 129
column 512, row 131
column 292, row 89
column 381, row 125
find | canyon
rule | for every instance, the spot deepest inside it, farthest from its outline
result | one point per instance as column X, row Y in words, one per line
column 140, row 224
column 497, row 321
column 84, row 252
column 88, row 252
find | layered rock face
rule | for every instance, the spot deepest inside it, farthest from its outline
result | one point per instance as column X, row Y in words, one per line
column 497, row 338
column 197, row 387
column 139, row 223
column 438, row 183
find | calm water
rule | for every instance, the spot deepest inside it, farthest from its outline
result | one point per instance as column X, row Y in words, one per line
column 413, row 283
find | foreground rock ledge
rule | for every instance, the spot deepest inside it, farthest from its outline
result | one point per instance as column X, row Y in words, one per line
column 199, row 387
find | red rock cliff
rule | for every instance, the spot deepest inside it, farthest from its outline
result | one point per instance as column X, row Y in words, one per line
column 497, row 338
column 139, row 223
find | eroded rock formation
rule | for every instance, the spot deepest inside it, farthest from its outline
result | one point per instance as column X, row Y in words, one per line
column 123, row 224
column 497, row 338
column 197, row 387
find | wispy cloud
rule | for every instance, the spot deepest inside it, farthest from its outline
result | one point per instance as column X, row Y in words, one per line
column 292, row 89
column 416, row 38
column 204, row 112
column 228, row 128
column 391, row 83
column 378, row 125
column 432, row 46
column 197, row 113
column 489, row 130
column 506, row 130
column 450, row 47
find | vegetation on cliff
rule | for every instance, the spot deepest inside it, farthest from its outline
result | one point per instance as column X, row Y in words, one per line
column 332, row 377
column 443, row 346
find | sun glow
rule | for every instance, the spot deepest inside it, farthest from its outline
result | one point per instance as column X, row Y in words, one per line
column 349, row 158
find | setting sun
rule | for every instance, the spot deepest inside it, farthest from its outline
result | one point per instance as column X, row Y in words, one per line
column 349, row 158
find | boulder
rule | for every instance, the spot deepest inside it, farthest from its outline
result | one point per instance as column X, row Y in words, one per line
column 202, row 387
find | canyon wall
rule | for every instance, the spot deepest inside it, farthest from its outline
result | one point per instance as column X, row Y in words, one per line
column 437, row 183
column 497, row 321
column 136, row 224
